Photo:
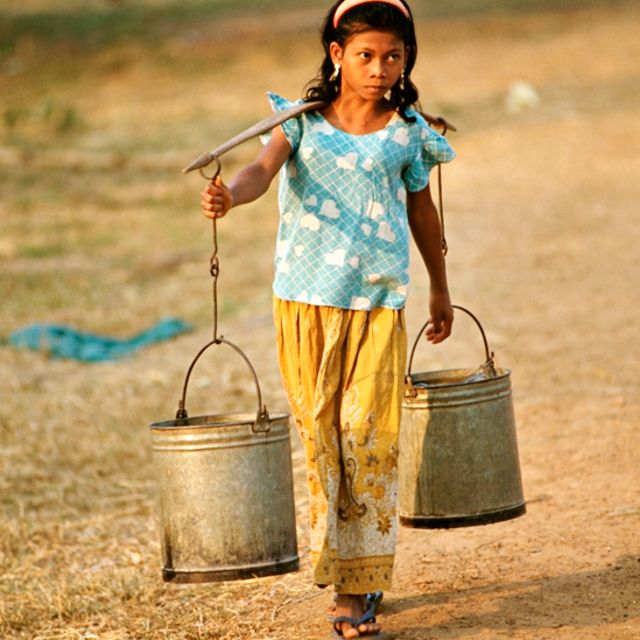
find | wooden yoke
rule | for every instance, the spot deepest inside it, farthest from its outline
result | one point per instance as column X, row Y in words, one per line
column 276, row 119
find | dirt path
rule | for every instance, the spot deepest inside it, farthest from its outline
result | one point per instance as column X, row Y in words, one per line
column 544, row 244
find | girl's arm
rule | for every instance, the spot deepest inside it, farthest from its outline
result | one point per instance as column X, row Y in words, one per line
column 249, row 183
column 425, row 228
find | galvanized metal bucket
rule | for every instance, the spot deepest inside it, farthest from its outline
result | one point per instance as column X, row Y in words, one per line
column 458, row 462
column 225, row 485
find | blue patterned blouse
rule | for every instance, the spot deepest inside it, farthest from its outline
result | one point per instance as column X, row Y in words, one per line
column 343, row 239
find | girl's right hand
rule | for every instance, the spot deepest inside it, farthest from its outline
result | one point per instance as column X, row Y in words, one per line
column 216, row 199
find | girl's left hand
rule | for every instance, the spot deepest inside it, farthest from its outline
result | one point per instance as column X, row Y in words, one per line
column 441, row 318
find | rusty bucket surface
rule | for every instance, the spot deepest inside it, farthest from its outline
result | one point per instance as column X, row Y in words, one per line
column 458, row 463
column 225, row 489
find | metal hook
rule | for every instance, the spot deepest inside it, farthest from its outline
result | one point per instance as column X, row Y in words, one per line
column 218, row 169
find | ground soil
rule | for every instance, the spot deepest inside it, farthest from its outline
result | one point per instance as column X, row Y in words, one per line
column 542, row 212
column 541, row 218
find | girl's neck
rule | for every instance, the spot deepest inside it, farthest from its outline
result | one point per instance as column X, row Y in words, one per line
column 358, row 116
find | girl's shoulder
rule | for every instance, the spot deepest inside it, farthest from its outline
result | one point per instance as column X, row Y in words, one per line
column 418, row 123
column 292, row 127
column 425, row 136
column 414, row 115
column 278, row 103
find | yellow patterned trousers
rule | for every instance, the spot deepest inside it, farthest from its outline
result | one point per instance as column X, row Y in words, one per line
column 343, row 374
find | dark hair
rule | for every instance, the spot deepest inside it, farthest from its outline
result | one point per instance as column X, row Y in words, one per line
column 377, row 16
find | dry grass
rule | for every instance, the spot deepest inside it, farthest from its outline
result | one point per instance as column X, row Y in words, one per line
column 79, row 550
column 101, row 232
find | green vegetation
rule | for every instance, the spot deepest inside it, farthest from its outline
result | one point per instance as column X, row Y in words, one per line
column 97, row 24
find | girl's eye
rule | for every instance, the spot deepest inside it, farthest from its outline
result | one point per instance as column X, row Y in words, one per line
column 366, row 55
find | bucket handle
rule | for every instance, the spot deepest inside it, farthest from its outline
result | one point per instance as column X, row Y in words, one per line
column 488, row 366
column 261, row 423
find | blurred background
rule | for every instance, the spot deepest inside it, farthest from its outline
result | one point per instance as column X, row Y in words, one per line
column 104, row 101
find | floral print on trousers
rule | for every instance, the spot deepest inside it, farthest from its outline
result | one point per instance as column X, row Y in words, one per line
column 343, row 374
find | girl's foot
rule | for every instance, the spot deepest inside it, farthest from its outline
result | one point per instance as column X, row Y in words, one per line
column 351, row 621
column 374, row 598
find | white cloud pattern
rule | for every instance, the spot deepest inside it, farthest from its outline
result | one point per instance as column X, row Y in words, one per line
column 329, row 209
column 336, row 258
column 348, row 161
column 323, row 127
column 375, row 210
column 401, row 136
column 386, row 233
column 360, row 303
column 367, row 165
column 310, row 222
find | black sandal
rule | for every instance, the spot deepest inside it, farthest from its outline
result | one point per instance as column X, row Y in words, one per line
column 369, row 616
column 365, row 618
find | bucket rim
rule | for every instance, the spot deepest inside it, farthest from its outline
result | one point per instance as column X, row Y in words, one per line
column 218, row 420
column 502, row 373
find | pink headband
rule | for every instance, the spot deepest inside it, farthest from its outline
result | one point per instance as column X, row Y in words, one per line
column 350, row 4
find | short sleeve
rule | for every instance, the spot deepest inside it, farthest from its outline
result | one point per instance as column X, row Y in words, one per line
column 291, row 128
column 431, row 149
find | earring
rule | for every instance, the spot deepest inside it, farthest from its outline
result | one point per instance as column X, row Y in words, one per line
column 336, row 72
column 402, row 81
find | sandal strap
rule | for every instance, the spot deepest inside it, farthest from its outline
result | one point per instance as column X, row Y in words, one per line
column 368, row 616
column 375, row 597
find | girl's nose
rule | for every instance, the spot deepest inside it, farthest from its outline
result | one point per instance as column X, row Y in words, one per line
column 378, row 70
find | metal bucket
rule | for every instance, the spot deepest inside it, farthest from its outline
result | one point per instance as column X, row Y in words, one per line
column 225, row 485
column 458, row 462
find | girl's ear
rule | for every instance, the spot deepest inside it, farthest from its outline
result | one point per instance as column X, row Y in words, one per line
column 336, row 52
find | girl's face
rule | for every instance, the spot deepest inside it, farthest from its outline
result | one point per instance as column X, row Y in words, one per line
column 371, row 63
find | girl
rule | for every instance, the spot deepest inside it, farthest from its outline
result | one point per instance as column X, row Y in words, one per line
column 354, row 181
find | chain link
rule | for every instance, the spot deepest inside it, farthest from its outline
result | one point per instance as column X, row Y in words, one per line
column 214, row 262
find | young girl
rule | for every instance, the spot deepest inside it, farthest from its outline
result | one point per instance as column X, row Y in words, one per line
column 354, row 181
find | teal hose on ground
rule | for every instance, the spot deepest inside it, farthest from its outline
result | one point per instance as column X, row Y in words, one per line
column 65, row 342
